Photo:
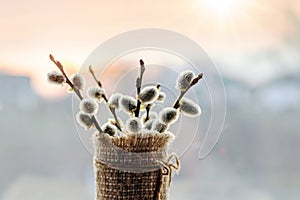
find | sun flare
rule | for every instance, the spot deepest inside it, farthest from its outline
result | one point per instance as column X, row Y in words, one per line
column 223, row 8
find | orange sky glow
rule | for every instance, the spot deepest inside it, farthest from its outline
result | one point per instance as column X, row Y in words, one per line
column 71, row 30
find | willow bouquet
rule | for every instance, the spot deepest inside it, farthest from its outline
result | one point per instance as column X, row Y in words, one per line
column 130, row 156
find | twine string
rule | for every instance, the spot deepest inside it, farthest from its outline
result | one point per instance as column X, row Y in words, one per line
column 167, row 168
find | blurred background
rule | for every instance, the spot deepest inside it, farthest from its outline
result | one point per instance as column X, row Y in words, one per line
column 254, row 43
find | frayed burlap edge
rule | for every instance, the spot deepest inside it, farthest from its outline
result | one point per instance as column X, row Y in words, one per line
column 137, row 142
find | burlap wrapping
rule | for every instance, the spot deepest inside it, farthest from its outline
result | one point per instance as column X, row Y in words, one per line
column 132, row 167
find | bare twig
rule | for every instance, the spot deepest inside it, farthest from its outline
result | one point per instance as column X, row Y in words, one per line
column 93, row 74
column 148, row 112
column 75, row 89
column 182, row 93
column 138, row 87
column 112, row 109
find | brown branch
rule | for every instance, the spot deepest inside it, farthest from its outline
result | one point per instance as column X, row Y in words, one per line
column 148, row 107
column 182, row 93
column 138, row 87
column 93, row 74
column 112, row 110
column 75, row 89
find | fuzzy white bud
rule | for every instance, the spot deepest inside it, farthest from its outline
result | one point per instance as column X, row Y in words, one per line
column 161, row 97
column 184, row 80
column 189, row 108
column 95, row 93
column 134, row 125
column 88, row 106
column 148, row 94
column 56, row 77
column 128, row 104
column 78, row 81
column 168, row 115
column 114, row 100
column 109, row 129
column 159, row 126
column 84, row 120
column 148, row 124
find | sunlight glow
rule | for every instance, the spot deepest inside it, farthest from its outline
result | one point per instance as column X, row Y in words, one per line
column 223, row 8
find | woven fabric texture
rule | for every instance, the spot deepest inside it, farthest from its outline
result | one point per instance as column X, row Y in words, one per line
column 129, row 167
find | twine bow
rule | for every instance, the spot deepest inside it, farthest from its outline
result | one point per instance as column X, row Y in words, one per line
column 172, row 163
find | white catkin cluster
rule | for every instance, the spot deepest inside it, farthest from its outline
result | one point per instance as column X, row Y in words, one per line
column 184, row 80
column 168, row 115
column 159, row 126
column 148, row 94
column 128, row 104
column 88, row 106
column 189, row 108
column 109, row 129
column 56, row 77
column 145, row 100
column 134, row 125
column 78, row 81
column 114, row 101
column 95, row 93
column 84, row 120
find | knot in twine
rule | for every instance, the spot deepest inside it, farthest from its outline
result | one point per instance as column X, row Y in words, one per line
column 172, row 163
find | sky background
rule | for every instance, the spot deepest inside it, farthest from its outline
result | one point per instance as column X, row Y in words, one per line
column 241, row 34
column 254, row 43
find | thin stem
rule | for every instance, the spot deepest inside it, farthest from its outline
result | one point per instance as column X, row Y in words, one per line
column 112, row 110
column 96, row 123
column 76, row 90
column 117, row 123
column 182, row 93
column 93, row 74
column 176, row 104
column 138, row 87
column 61, row 68
column 148, row 107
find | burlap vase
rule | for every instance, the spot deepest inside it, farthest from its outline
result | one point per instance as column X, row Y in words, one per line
column 134, row 166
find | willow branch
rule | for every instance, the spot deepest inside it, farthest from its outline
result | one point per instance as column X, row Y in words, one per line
column 75, row 89
column 148, row 107
column 93, row 74
column 112, row 109
column 182, row 93
column 139, row 86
